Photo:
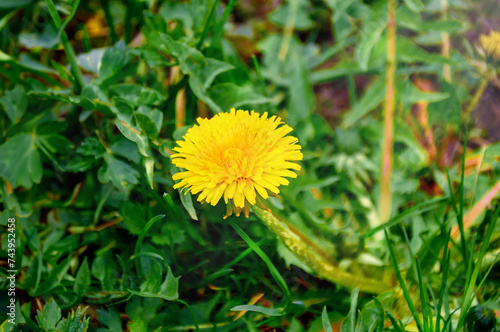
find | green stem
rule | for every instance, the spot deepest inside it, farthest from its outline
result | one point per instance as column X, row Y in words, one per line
column 476, row 98
column 68, row 49
column 316, row 258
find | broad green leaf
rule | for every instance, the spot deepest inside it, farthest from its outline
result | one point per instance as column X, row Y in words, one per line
column 371, row 33
column 104, row 268
column 168, row 289
column 150, row 120
column 15, row 103
column 134, row 216
column 47, row 39
column 82, row 279
column 372, row 97
column 26, row 62
column 170, row 233
column 415, row 5
column 180, row 12
column 301, row 20
column 11, row 4
column 20, row 163
column 50, row 317
column 229, row 95
column 113, row 60
column 202, row 71
column 91, row 60
column 137, row 94
column 407, row 51
column 447, row 111
column 122, row 175
column 301, row 102
column 111, row 319
column 135, row 135
column 414, row 95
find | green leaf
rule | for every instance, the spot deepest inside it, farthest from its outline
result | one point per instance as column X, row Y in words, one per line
column 371, row 33
column 301, row 102
column 47, row 39
column 15, row 103
column 136, row 94
column 111, row 319
column 281, row 15
column 415, row 5
column 82, row 279
column 53, row 279
column 134, row 216
column 327, row 326
column 229, row 95
column 372, row 97
column 50, row 316
column 171, row 233
column 112, row 62
column 260, row 309
column 349, row 324
column 135, row 134
column 74, row 322
column 122, row 175
column 447, row 111
column 20, row 163
column 414, row 95
column 168, row 290
column 407, row 51
column 11, row 4
column 202, row 71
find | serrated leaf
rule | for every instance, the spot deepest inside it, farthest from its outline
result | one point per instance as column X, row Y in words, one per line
column 202, row 71
column 168, row 289
column 50, row 316
column 14, row 103
column 20, row 163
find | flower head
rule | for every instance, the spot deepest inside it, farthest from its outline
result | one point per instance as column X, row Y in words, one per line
column 491, row 44
column 239, row 156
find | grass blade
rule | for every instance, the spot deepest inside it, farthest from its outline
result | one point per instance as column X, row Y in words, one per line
column 274, row 272
column 406, row 293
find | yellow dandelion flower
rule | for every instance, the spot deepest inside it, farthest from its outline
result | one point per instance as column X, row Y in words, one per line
column 240, row 156
column 491, row 44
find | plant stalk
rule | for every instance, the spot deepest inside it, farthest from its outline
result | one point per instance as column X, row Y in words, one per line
column 315, row 258
column 385, row 201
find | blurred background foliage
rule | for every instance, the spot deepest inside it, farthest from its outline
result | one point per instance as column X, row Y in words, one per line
column 95, row 93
